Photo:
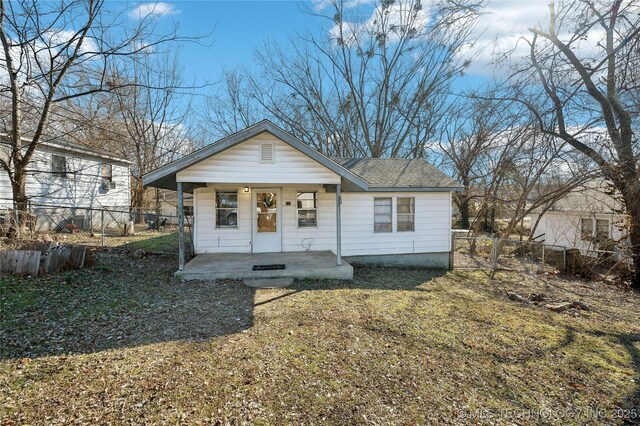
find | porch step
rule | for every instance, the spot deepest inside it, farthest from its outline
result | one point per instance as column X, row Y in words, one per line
column 268, row 282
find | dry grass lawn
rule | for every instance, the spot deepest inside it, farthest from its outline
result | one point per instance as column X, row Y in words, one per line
column 124, row 343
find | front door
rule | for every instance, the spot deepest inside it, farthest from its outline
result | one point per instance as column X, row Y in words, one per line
column 267, row 229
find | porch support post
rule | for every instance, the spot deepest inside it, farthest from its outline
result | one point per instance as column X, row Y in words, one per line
column 339, row 223
column 180, row 226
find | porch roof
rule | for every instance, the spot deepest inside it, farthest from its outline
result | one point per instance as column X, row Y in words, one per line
column 165, row 176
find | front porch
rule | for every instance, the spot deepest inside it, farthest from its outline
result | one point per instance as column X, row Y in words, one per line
column 299, row 265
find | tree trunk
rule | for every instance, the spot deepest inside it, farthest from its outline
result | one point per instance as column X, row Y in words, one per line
column 464, row 212
column 632, row 202
column 19, row 190
column 137, row 200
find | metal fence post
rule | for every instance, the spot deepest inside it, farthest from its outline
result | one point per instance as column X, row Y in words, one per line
column 452, row 252
column 495, row 255
column 102, row 227
column 542, row 262
column 564, row 260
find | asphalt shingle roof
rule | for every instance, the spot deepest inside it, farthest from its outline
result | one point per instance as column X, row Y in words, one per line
column 398, row 173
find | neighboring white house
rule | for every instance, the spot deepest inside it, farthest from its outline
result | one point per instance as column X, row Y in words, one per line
column 168, row 203
column 69, row 183
column 587, row 218
column 261, row 190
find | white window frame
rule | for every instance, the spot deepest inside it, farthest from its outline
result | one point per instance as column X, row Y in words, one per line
column 583, row 235
column 595, row 228
column 108, row 178
column 65, row 173
column 412, row 214
column 375, row 231
column 298, row 210
column 216, row 208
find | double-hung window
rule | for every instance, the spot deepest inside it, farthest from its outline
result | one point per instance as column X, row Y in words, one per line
column 586, row 228
column 226, row 209
column 602, row 229
column 59, row 165
column 106, row 172
column 382, row 214
column 405, row 214
column 307, row 206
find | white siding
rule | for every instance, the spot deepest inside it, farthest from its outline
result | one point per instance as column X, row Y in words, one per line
column 79, row 189
column 432, row 224
column 564, row 228
column 241, row 163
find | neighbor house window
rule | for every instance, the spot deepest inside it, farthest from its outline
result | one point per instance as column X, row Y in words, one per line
column 406, row 209
column 226, row 209
column 586, row 228
column 106, row 172
column 382, row 215
column 58, row 165
column 307, row 209
column 602, row 229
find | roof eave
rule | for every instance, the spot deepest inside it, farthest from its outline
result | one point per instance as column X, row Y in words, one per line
column 416, row 189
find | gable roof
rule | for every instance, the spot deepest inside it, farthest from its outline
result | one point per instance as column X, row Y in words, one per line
column 165, row 176
column 393, row 174
column 373, row 174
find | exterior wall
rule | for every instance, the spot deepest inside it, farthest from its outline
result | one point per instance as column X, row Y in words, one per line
column 241, row 164
column 563, row 228
column 432, row 223
column 81, row 188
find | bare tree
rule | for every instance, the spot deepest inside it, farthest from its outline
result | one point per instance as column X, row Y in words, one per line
column 54, row 54
column 583, row 66
column 370, row 85
column 508, row 167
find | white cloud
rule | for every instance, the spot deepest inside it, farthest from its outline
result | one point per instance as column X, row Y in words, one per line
column 502, row 26
column 144, row 10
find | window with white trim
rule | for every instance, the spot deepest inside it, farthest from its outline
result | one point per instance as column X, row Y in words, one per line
column 382, row 214
column 106, row 172
column 602, row 229
column 59, row 165
column 405, row 214
column 586, row 228
column 307, row 206
column 226, row 209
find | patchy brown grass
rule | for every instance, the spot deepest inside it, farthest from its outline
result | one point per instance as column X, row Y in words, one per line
column 124, row 342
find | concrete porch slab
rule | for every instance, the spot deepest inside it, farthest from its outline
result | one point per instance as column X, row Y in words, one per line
column 300, row 265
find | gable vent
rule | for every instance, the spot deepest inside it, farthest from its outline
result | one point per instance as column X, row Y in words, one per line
column 266, row 152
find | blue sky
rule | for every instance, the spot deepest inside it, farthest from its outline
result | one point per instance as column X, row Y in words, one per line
column 240, row 27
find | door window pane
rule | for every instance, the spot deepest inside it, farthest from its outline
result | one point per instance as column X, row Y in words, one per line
column 382, row 215
column 226, row 209
column 267, row 211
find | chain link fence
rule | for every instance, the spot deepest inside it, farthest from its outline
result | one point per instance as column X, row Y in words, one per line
column 532, row 256
column 104, row 226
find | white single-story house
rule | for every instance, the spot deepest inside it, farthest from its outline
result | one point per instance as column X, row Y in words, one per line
column 69, row 183
column 261, row 190
column 589, row 218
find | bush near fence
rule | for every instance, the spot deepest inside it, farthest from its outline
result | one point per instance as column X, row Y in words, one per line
column 506, row 254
